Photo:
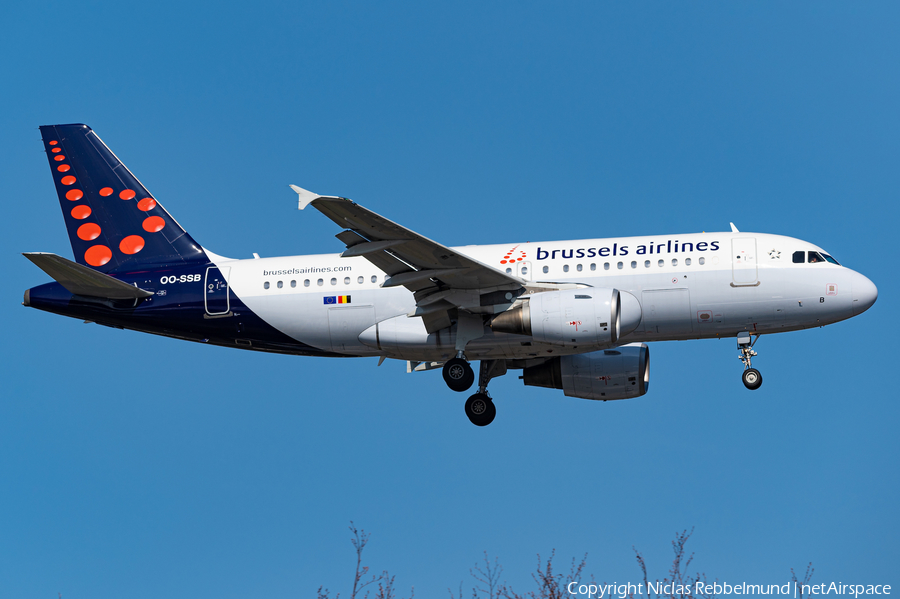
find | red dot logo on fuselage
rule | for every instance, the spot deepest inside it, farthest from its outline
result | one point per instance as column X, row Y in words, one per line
column 513, row 255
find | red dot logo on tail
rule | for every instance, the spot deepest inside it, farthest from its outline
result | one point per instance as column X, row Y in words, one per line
column 98, row 255
column 81, row 212
column 153, row 224
column 89, row 231
column 132, row 244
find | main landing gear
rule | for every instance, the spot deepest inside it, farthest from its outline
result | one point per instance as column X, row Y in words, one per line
column 751, row 377
column 459, row 376
column 480, row 409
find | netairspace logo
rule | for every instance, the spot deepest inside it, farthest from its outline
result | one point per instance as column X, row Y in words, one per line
column 791, row 589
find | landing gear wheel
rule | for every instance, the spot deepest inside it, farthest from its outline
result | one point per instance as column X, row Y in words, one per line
column 458, row 375
column 752, row 378
column 480, row 409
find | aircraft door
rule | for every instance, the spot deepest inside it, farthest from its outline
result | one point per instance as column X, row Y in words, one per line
column 523, row 270
column 743, row 261
column 215, row 292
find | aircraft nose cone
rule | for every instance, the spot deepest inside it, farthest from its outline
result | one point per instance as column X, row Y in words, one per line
column 631, row 313
column 864, row 293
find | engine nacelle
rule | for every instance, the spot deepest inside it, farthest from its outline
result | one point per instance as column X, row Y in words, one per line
column 619, row 373
column 595, row 316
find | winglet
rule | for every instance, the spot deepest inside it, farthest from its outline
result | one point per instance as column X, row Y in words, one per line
column 733, row 228
column 305, row 197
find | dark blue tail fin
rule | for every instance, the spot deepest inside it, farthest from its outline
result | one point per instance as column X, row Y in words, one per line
column 114, row 223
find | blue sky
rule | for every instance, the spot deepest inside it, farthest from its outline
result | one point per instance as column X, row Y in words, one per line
column 135, row 466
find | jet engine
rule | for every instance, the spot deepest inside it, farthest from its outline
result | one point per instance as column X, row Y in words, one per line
column 620, row 373
column 570, row 317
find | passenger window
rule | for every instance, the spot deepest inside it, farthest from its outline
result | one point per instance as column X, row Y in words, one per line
column 346, row 280
column 524, row 270
column 374, row 278
column 606, row 266
column 593, row 266
column 509, row 271
column 798, row 258
column 578, row 268
column 546, row 269
column 633, row 264
column 280, row 284
column 266, row 285
column 320, row 282
column 702, row 260
column 619, row 265
column 306, row 282
column 565, row 268
column 359, row 280
column 687, row 261
column 662, row 263
column 293, row 283
column 674, row 261
column 333, row 281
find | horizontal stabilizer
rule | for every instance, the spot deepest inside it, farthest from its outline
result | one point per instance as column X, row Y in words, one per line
column 82, row 280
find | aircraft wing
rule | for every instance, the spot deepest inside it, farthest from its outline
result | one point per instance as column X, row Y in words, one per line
column 440, row 278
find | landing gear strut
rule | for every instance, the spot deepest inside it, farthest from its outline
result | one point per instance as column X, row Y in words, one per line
column 480, row 407
column 751, row 377
column 458, row 375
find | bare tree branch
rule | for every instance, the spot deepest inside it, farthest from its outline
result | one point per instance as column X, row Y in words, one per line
column 801, row 584
column 359, row 540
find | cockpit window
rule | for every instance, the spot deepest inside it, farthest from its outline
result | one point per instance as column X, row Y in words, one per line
column 814, row 257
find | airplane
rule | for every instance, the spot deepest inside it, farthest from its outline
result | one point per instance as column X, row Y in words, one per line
column 572, row 315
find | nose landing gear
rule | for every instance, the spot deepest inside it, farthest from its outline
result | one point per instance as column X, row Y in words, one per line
column 751, row 377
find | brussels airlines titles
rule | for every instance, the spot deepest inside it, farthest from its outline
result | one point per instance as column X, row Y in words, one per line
column 668, row 246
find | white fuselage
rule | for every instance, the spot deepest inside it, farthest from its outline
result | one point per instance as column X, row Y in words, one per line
column 689, row 287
